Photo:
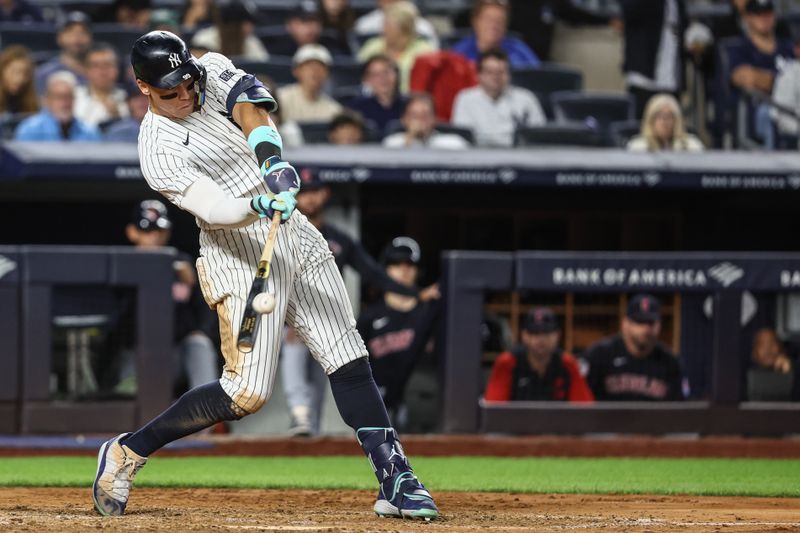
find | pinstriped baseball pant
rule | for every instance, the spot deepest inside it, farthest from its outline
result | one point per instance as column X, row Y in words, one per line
column 310, row 296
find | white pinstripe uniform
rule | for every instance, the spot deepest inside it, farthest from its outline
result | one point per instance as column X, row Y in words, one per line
column 307, row 285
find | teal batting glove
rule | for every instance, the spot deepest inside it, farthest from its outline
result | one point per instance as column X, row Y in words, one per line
column 284, row 201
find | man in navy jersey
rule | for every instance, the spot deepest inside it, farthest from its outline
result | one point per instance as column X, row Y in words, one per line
column 633, row 365
column 397, row 329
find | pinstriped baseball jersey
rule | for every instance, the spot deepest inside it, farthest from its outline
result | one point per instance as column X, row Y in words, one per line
column 307, row 285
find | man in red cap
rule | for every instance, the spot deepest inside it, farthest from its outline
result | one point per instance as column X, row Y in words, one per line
column 538, row 370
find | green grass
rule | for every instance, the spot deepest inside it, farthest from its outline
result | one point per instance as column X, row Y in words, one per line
column 728, row 477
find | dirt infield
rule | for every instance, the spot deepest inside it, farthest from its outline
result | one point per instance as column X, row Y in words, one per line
column 66, row 510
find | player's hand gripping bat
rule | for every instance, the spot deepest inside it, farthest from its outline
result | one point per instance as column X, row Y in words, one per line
column 258, row 300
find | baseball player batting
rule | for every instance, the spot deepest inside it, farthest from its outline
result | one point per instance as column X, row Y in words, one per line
column 209, row 146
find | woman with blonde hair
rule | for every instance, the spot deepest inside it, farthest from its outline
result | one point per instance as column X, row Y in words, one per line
column 399, row 41
column 17, row 93
column 663, row 129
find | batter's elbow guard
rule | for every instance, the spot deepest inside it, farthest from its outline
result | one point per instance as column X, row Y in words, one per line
column 249, row 89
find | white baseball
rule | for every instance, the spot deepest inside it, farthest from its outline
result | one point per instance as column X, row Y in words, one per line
column 264, row 303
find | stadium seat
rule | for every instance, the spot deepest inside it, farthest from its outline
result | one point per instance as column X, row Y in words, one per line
column 621, row 132
column 9, row 123
column 271, row 34
column 596, row 110
column 279, row 69
column 314, row 132
column 565, row 134
column 35, row 37
column 345, row 74
column 273, row 15
column 344, row 95
column 442, row 127
column 548, row 78
column 466, row 133
column 120, row 37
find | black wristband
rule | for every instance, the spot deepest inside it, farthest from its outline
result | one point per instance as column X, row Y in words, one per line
column 264, row 150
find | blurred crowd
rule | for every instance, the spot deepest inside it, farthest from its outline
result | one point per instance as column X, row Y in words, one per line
column 722, row 74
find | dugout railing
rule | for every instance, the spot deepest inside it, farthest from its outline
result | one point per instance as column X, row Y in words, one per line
column 29, row 279
column 469, row 276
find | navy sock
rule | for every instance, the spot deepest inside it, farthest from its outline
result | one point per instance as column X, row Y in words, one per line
column 357, row 396
column 198, row 409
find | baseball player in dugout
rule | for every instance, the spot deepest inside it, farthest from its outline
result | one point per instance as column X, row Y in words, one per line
column 538, row 370
column 208, row 145
column 194, row 357
column 398, row 329
column 303, row 380
column 633, row 365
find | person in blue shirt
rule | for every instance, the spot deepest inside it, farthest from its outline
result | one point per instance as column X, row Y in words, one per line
column 74, row 39
column 489, row 30
column 382, row 104
column 56, row 122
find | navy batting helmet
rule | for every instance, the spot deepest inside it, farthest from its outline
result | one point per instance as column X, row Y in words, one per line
column 162, row 59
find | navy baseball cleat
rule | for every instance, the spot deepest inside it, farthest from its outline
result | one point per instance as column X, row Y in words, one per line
column 117, row 465
column 408, row 498
column 400, row 494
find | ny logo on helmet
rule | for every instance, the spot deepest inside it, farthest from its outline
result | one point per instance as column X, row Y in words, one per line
column 174, row 60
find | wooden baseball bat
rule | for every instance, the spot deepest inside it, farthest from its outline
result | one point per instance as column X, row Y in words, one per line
column 251, row 319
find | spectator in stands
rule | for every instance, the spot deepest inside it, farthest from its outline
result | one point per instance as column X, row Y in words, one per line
column 233, row 34
column 419, row 127
column 127, row 129
column 198, row 14
column 733, row 24
column 304, row 26
column 165, row 20
column 134, row 14
column 346, row 128
column 538, row 370
column 101, row 100
column 372, row 23
column 759, row 54
column 74, row 39
column 535, row 21
column 382, row 102
column 19, row 11
column 663, row 130
column 772, row 374
column 194, row 355
column 653, row 48
column 57, row 122
column 17, row 94
column 337, row 16
column 633, row 365
column 489, row 30
column 399, row 40
column 753, row 61
column 398, row 329
column 306, row 101
column 495, row 109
